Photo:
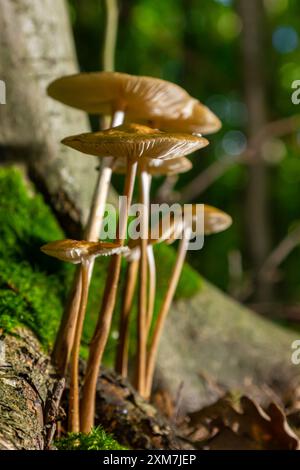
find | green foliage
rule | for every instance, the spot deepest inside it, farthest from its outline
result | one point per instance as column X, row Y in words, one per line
column 97, row 439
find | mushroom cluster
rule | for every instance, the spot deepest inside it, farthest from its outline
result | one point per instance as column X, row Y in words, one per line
column 155, row 124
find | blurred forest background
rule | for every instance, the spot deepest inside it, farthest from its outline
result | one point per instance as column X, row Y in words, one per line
column 240, row 59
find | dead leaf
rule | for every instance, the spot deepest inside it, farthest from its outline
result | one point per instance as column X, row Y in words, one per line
column 241, row 424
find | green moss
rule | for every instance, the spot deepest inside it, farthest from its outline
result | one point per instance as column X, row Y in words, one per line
column 34, row 287
column 96, row 440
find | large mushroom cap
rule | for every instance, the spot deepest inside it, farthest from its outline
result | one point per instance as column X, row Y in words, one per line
column 134, row 141
column 156, row 166
column 106, row 92
column 201, row 121
column 75, row 251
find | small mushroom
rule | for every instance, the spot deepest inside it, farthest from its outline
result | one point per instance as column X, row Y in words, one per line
column 156, row 167
column 133, row 258
column 132, row 142
column 113, row 94
column 147, row 168
column 214, row 221
column 200, row 121
column 83, row 253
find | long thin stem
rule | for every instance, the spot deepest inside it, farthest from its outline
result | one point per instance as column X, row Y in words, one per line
column 152, row 286
column 102, row 329
column 74, row 421
column 143, row 274
column 65, row 336
column 128, row 294
column 164, row 310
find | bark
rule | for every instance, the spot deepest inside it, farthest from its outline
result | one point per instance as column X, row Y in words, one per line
column 132, row 420
column 36, row 47
column 26, row 384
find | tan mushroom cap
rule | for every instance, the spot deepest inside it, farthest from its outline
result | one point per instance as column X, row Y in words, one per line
column 134, row 141
column 74, row 251
column 157, row 167
column 215, row 220
column 201, row 121
column 106, row 92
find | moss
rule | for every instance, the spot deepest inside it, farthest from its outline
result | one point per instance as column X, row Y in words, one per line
column 96, row 440
column 33, row 287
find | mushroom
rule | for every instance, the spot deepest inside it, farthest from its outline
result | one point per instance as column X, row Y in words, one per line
column 200, row 121
column 133, row 258
column 214, row 221
column 83, row 253
column 153, row 167
column 115, row 94
column 132, row 142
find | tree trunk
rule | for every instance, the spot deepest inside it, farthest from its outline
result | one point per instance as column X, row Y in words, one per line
column 36, row 46
column 257, row 207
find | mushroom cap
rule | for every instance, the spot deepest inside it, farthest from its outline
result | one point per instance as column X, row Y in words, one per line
column 215, row 220
column 75, row 251
column 133, row 141
column 201, row 121
column 106, row 92
column 156, row 166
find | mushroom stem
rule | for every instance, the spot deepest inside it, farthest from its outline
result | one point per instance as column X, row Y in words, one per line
column 102, row 329
column 65, row 336
column 152, row 286
column 74, row 421
column 182, row 249
column 143, row 272
column 128, row 294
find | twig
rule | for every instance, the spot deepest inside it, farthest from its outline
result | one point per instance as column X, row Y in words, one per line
column 278, row 255
column 110, row 39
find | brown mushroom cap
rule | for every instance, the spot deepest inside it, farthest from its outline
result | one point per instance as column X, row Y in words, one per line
column 106, row 92
column 215, row 220
column 156, row 166
column 75, row 251
column 134, row 141
column 201, row 121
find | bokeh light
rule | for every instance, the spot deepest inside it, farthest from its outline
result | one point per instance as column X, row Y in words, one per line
column 234, row 142
column 273, row 151
column 285, row 39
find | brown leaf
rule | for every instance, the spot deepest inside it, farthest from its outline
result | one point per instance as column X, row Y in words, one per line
column 243, row 425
